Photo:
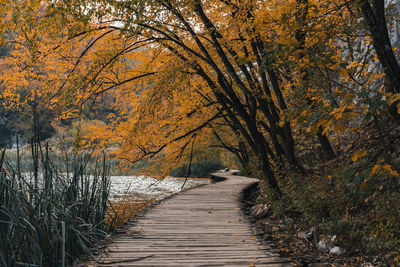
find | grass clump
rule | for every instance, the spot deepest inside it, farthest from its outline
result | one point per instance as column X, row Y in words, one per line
column 48, row 218
column 125, row 209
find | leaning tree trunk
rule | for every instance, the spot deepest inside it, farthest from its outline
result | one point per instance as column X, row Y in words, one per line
column 375, row 18
column 326, row 144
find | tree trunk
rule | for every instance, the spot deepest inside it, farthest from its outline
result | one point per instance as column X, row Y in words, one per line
column 244, row 155
column 375, row 18
column 300, row 36
column 267, row 172
column 326, row 144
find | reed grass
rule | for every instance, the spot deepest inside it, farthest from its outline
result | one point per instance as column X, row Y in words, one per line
column 63, row 161
column 50, row 218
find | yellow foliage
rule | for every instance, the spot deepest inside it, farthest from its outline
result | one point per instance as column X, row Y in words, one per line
column 152, row 66
column 384, row 168
column 358, row 155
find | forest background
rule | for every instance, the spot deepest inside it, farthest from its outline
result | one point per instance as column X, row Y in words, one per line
column 303, row 93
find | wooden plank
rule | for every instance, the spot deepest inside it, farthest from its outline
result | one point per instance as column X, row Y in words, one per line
column 200, row 227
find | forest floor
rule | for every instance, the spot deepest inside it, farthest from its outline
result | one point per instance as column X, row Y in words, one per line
column 291, row 242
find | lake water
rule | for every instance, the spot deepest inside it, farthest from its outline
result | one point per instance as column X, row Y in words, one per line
column 145, row 187
column 139, row 187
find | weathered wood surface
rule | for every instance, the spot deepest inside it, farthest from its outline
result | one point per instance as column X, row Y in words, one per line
column 200, row 227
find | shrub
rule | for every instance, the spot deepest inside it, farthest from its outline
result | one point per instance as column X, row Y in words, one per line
column 198, row 169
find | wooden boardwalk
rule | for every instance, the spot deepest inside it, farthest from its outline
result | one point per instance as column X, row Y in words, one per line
column 200, row 227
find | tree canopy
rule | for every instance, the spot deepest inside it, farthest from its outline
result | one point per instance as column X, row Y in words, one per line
column 253, row 77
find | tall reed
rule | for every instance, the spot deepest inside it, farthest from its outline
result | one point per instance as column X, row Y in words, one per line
column 48, row 218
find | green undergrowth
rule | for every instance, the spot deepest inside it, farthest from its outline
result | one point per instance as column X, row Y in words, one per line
column 355, row 196
column 364, row 221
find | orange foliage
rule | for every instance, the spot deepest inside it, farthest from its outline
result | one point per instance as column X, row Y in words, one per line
column 180, row 72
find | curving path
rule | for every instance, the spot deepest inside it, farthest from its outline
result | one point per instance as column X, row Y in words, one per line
column 200, row 227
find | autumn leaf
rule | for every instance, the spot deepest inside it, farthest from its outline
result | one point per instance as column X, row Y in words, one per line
column 358, row 155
